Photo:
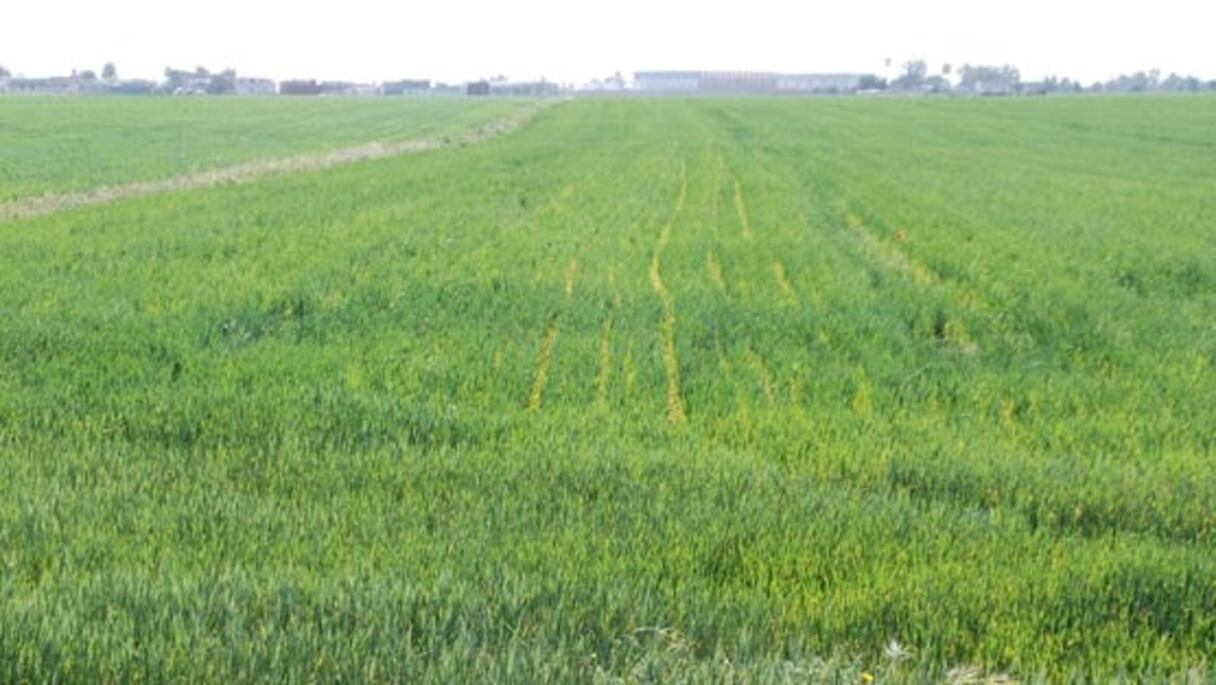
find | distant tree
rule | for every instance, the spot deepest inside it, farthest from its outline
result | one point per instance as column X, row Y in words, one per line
column 5, row 73
column 1138, row 82
column 109, row 72
column 914, row 74
column 1181, row 84
column 88, row 75
column 871, row 82
column 174, row 78
column 947, row 69
column 615, row 81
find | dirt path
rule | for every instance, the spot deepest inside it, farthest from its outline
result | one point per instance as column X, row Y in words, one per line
column 26, row 208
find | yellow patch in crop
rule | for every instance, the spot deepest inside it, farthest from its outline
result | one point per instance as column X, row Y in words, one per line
column 796, row 392
column 765, row 377
column 863, row 399
column 354, row 376
column 958, row 336
column 630, row 373
column 571, row 272
column 676, row 412
column 605, row 364
column 714, row 267
column 745, row 221
column 541, row 375
column 783, row 281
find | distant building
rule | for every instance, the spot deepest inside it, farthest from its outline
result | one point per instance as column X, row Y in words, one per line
column 337, row 88
column 299, row 87
column 611, row 84
column 743, row 82
column 347, row 88
column 405, row 87
column 1034, row 88
column 194, row 85
column 447, row 89
column 134, row 87
column 667, row 81
column 254, row 86
column 52, row 85
column 993, row 89
column 75, row 84
column 526, row 89
column 478, row 88
column 737, row 82
column 818, row 83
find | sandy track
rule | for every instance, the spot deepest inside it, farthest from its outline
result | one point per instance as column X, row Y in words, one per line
column 26, row 208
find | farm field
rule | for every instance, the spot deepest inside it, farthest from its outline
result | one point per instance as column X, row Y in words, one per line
column 644, row 391
column 54, row 145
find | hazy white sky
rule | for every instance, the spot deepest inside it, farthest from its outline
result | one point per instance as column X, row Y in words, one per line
column 372, row 40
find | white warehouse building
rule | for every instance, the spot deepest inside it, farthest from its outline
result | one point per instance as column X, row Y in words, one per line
column 743, row 82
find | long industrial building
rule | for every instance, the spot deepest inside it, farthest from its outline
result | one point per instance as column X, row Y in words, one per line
column 743, row 82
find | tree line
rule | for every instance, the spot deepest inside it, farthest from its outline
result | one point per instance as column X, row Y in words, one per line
column 914, row 76
column 1004, row 79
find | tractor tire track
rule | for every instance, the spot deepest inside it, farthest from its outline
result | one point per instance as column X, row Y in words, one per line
column 540, row 376
column 676, row 411
column 745, row 220
column 783, row 282
column 603, row 376
column 714, row 268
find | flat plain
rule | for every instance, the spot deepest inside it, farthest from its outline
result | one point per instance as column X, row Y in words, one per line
column 643, row 391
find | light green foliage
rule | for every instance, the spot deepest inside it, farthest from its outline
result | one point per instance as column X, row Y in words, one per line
column 946, row 370
column 64, row 144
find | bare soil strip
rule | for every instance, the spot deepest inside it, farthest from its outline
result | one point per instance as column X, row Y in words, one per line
column 245, row 172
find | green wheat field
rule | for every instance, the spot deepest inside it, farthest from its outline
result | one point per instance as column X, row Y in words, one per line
column 757, row 390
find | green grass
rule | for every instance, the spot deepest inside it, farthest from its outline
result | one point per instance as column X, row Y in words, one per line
column 946, row 368
column 63, row 144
